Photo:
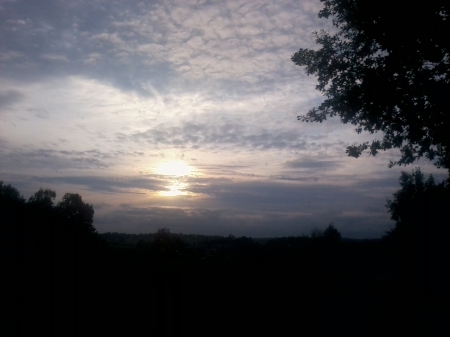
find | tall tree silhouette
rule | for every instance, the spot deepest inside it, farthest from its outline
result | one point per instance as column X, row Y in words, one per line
column 420, row 207
column 422, row 215
column 75, row 229
column 386, row 70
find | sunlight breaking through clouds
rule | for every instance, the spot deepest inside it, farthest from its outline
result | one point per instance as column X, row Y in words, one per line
column 175, row 189
column 175, row 170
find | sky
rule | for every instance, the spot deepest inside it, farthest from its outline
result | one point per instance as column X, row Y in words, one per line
column 183, row 114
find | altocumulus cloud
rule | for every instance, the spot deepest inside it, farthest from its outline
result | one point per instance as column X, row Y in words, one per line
column 96, row 95
column 219, row 134
column 122, row 42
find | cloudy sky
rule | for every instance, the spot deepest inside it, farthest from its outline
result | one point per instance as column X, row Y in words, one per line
column 182, row 114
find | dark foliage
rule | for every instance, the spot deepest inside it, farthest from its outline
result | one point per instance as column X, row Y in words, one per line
column 420, row 208
column 42, row 198
column 420, row 237
column 9, row 196
column 49, row 249
column 387, row 68
column 331, row 233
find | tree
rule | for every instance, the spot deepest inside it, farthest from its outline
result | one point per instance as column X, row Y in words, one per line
column 76, row 212
column 420, row 236
column 43, row 198
column 331, row 233
column 11, row 214
column 419, row 208
column 386, row 71
column 41, row 218
column 9, row 196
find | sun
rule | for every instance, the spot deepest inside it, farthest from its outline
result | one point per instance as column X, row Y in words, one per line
column 176, row 171
column 174, row 190
column 177, row 168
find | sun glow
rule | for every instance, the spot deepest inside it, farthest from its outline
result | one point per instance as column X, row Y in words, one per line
column 176, row 168
column 177, row 188
column 175, row 171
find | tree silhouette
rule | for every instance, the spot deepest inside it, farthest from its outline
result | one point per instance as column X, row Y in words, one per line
column 10, row 195
column 419, row 208
column 40, row 220
column 74, row 211
column 12, row 205
column 420, row 237
column 381, row 75
column 43, row 198
column 331, row 233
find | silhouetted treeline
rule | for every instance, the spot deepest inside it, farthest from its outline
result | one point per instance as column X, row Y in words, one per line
column 47, row 247
column 66, row 279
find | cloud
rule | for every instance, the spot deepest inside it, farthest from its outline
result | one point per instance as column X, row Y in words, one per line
column 219, row 134
column 49, row 159
column 49, row 57
column 192, row 41
column 108, row 184
column 259, row 194
column 92, row 58
column 310, row 163
column 284, row 177
column 10, row 55
column 9, row 98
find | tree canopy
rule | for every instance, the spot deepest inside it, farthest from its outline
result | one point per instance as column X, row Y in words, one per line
column 43, row 198
column 420, row 207
column 386, row 69
column 74, row 210
column 10, row 195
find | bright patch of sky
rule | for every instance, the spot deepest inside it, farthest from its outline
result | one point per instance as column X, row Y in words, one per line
column 181, row 114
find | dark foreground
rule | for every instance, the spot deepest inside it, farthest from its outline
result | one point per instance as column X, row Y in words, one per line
column 221, row 286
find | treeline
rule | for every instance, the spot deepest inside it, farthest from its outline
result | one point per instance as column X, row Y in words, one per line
column 125, row 239
column 39, row 220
